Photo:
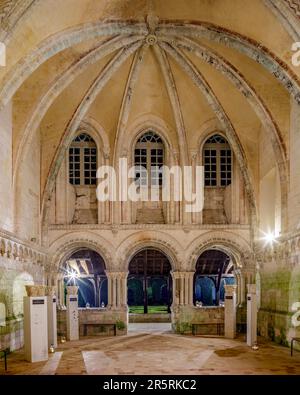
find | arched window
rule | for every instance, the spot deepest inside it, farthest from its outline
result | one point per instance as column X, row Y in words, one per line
column 217, row 162
column 83, row 160
column 149, row 157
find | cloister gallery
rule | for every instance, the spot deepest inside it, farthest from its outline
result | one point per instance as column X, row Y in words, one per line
column 212, row 86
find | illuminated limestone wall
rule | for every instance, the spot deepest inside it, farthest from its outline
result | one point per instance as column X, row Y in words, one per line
column 280, row 263
column 44, row 84
column 280, row 291
column 6, row 203
column 14, row 275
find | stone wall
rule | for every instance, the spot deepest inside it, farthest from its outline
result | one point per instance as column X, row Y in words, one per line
column 144, row 318
column 14, row 275
column 6, row 201
column 280, row 291
column 102, row 317
column 206, row 319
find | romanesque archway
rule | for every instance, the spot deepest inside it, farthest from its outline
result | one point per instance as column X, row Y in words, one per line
column 149, row 282
column 214, row 269
column 86, row 269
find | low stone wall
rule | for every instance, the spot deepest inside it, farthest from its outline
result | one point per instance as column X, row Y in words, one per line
column 144, row 318
column 207, row 319
column 97, row 316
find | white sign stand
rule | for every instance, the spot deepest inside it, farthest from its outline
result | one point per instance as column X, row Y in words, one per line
column 35, row 328
column 72, row 317
column 251, row 315
column 230, row 311
column 52, row 321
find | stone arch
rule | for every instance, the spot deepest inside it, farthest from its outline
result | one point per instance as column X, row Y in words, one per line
column 81, row 111
column 206, row 135
column 97, row 132
column 75, row 35
column 230, row 243
column 255, row 101
column 58, row 42
column 57, row 88
column 11, row 13
column 139, row 127
column 64, row 246
column 157, row 240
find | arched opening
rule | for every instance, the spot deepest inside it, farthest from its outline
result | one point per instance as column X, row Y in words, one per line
column 149, row 282
column 223, row 189
column 217, row 162
column 214, row 270
column 86, row 269
column 149, row 157
column 83, row 160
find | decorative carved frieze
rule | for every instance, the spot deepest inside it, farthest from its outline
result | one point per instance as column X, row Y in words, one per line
column 13, row 248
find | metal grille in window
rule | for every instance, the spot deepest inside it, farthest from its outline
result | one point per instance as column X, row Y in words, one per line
column 225, row 159
column 217, row 162
column 150, row 137
column 140, row 160
column 157, row 160
column 74, row 166
column 210, row 167
column 149, row 157
column 83, row 137
column 90, row 159
column 216, row 139
column 82, row 160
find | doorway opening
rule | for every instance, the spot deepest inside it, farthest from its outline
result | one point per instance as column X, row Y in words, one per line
column 149, row 283
column 86, row 269
column 214, row 270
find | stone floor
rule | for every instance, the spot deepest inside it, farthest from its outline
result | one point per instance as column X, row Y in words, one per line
column 153, row 349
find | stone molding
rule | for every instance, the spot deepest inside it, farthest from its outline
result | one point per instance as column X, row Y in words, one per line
column 13, row 248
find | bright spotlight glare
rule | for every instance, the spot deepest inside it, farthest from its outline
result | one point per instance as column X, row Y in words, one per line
column 269, row 237
column 72, row 276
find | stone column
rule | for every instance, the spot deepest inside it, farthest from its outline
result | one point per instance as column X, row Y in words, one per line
column 107, row 203
column 191, row 288
column 186, row 288
column 242, row 288
column 109, row 289
column 114, row 290
column 251, row 315
column 176, row 289
column 61, row 290
column 181, row 289
column 124, row 289
column 230, row 311
column 118, row 290
column 51, row 313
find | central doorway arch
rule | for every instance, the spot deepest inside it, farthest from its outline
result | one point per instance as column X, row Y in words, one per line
column 149, row 282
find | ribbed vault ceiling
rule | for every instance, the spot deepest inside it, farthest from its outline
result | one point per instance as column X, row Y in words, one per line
column 186, row 64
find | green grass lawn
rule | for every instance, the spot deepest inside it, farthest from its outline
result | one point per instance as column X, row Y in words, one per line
column 151, row 309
